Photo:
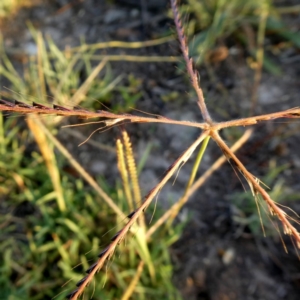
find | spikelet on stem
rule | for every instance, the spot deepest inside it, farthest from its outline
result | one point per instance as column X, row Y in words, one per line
column 124, row 174
column 133, row 174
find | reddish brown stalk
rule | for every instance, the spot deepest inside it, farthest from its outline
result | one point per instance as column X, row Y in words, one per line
column 288, row 228
column 37, row 108
column 290, row 113
column 194, row 76
column 119, row 236
column 112, row 119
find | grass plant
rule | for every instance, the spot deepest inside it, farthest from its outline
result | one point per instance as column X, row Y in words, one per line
column 57, row 235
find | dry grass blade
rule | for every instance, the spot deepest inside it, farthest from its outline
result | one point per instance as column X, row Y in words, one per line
column 134, row 282
column 119, row 44
column 119, row 236
column 137, row 59
column 50, row 160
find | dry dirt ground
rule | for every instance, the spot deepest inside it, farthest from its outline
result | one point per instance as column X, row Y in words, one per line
column 216, row 258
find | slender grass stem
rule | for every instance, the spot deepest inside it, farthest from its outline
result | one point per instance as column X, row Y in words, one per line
column 191, row 179
column 197, row 163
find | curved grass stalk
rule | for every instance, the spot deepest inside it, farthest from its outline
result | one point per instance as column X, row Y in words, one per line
column 119, row 44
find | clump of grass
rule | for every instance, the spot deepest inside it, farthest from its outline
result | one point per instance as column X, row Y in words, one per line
column 43, row 238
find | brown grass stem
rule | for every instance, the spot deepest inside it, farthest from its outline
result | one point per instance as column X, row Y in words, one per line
column 194, row 77
column 289, row 114
column 253, row 182
column 85, row 114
